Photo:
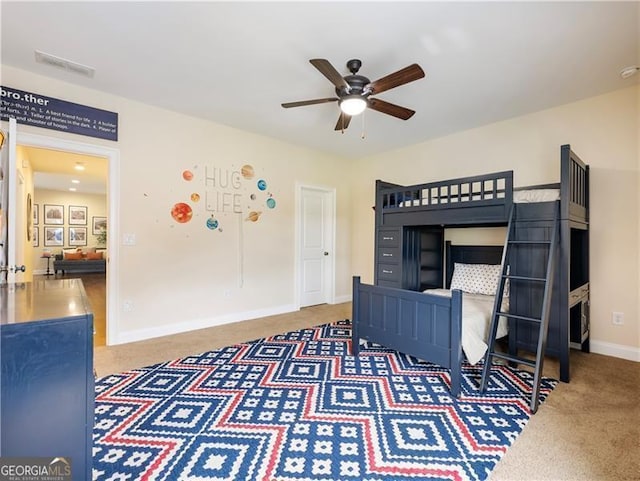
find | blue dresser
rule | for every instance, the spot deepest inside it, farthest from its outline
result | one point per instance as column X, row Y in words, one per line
column 46, row 363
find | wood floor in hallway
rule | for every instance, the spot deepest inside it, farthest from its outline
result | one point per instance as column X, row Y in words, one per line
column 95, row 285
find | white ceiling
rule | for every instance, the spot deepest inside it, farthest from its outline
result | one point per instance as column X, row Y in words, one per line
column 56, row 170
column 236, row 62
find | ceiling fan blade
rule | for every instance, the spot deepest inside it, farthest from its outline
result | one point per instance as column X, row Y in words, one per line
column 309, row 102
column 401, row 77
column 390, row 109
column 343, row 121
column 330, row 72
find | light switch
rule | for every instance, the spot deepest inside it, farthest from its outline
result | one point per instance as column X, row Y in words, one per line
column 128, row 239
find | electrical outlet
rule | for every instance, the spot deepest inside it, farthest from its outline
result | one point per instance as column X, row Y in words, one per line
column 617, row 318
column 226, row 293
column 127, row 306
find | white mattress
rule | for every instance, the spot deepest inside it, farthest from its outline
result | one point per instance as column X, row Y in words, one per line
column 476, row 321
column 536, row 195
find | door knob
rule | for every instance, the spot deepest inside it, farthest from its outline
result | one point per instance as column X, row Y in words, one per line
column 326, row 253
column 17, row 269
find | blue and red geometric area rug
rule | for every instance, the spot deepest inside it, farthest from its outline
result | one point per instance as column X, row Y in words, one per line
column 298, row 406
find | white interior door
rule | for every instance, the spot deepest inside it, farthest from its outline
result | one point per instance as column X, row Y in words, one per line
column 316, row 246
column 11, row 262
column 4, row 200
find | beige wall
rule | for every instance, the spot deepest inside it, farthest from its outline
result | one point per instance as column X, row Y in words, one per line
column 183, row 276
column 179, row 277
column 602, row 130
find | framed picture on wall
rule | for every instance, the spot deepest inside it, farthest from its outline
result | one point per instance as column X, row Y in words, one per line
column 35, row 215
column 77, row 215
column 53, row 214
column 29, row 218
column 77, row 236
column 53, row 236
column 98, row 225
column 36, row 241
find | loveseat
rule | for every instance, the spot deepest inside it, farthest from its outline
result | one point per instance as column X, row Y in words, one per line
column 80, row 260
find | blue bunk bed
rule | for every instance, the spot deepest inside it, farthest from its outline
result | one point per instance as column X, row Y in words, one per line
column 410, row 257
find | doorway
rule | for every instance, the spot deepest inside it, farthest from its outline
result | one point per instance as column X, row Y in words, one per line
column 316, row 245
column 77, row 185
column 112, row 158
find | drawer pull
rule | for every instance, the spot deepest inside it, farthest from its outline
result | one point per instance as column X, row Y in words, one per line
column 387, row 254
column 386, row 238
column 385, row 271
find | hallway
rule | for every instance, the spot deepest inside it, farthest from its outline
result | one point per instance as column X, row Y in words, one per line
column 95, row 287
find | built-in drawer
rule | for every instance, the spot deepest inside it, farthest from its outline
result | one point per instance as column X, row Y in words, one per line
column 389, row 255
column 388, row 272
column 389, row 238
column 394, row 284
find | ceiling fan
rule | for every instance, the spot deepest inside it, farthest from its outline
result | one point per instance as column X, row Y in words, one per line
column 354, row 91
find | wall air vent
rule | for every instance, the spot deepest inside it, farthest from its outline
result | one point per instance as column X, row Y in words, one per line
column 64, row 64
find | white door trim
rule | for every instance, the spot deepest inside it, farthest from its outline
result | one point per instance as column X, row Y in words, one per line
column 330, row 276
column 113, row 198
column 12, row 195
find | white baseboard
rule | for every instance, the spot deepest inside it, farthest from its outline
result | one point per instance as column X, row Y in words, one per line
column 342, row 299
column 179, row 328
column 615, row 350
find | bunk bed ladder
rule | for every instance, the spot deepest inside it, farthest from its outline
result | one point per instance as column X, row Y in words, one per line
column 512, row 243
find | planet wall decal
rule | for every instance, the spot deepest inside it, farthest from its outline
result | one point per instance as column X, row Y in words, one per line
column 253, row 216
column 262, row 184
column 212, row 223
column 195, row 197
column 181, row 212
column 247, row 172
column 187, row 175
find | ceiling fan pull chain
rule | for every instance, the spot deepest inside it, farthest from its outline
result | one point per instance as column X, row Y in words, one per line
column 363, row 130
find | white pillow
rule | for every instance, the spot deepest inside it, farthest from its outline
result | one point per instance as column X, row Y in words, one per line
column 476, row 278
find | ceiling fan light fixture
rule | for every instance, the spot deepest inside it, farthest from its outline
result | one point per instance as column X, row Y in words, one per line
column 353, row 92
column 353, row 105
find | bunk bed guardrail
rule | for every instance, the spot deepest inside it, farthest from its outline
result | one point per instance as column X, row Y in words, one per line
column 574, row 186
column 485, row 198
column 487, row 189
column 468, row 200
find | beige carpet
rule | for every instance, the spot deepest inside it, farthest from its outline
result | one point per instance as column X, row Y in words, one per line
column 587, row 430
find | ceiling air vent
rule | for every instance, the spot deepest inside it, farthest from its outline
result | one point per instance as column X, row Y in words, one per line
column 64, row 64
